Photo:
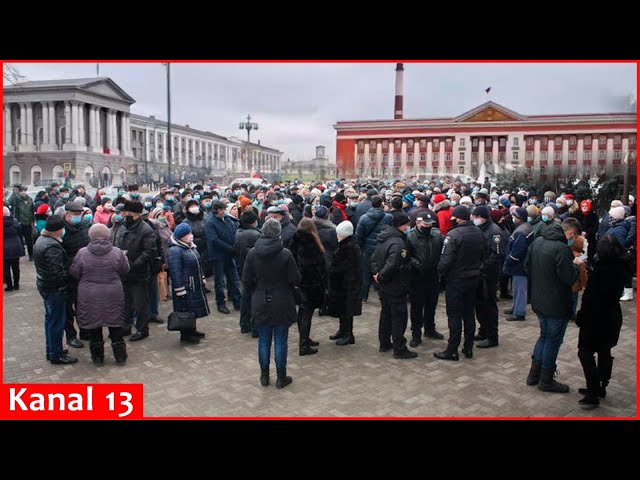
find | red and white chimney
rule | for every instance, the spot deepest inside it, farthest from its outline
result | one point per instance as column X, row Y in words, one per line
column 397, row 108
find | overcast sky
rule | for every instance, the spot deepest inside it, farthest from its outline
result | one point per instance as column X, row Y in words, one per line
column 296, row 105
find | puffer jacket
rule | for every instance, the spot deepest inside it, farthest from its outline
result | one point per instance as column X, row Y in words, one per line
column 187, row 273
column 369, row 227
column 443, row 212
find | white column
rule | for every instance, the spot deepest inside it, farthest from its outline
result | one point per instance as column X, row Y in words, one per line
column 441, row 164
column 109, row 127
column 114, row 133
column 52, row 126
column 146, row 143
column 99, row 136
column 23, row 126
column 81, row 132
column 565, row 156
column 179, row 142
column 164, row 147
column 127, row 145
column 365, row 165
column 416, row 156
column 6, row 136
column 75, row 127
column 403, row 158
column 429, row 155
column 495, row 153
column 481, row 147
column 536, row 155
column 92, row 128
column 392, row 158
column 609, row 164
column 580, row 156
column 123, row 134
column 45, row 126
column 30, row 128
column 155, row 146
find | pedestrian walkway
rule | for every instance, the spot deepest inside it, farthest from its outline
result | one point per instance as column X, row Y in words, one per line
column 220, row 376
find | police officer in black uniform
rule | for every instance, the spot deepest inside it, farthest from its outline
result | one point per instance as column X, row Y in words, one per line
column 495, row 243
column 459, row 268
column 391, row 272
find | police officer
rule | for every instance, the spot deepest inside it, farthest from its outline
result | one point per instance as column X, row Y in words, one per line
column 459, row 268
column 390, row 268
column 495, row 243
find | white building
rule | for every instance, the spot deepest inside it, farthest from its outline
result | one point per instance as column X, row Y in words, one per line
column 84, row 129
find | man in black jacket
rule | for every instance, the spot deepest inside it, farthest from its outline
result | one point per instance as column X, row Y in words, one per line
column 246, row 237
column 139, row 244
column 52, row 277
column 391, row 272
column 424, row 244
column 495, row 244
column 460, row 262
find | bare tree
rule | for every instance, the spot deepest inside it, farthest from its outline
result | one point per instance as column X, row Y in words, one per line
column 11, row 74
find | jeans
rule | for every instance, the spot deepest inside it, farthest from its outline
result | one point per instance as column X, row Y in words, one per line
column 574, row 304
column 226, row 268
column 519, row 288
column 153, row 296
column 55, row 315
column 551, row 337
column 366, row 275
column 279, row 335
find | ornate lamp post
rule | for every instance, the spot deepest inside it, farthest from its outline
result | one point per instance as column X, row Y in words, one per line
column 248, row 126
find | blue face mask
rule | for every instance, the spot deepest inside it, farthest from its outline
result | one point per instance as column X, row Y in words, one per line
column 169, row 199
column 120, row 193
column 545, row 218
column 118, row 218
column 196, row 197
column 159, row 205
column 147, row 204
column 75, row 220
column 65, row 196
column 88, row 217
column 134, row 195
column 237, row 192
column 570, row 242
column 64, row 232
column 207, row 205
column 529, row 219
column 533, row 201
column 280, row 202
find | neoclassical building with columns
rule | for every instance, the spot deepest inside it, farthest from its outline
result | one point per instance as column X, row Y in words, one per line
column 84, row 129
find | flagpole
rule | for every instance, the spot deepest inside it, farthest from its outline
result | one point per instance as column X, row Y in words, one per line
column 97, row 69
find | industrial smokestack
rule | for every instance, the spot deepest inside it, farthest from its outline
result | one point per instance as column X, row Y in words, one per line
column 397, row 110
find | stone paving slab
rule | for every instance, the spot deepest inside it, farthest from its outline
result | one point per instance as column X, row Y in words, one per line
column 220, row 376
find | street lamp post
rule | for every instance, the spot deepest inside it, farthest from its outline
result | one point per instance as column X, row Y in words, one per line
column 248, row 126
column 169, row 151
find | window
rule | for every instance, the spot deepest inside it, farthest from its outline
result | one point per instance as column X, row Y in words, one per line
column 462, row 142
column 617, row 140
column 544, row 156
column 632, row 140
column 529, row 155
column 449, row 142
column 502, row 156
column 587, row 140
column 474, row 142
column 385, row 158
column 385, row 144
column 557, row 141
column 487, row 156
column 556, row 170
column 602, row 140
column 361, row 145
column 396, row 157
column 461, row 169
column 602, row 154
column 434, row 157
column 543, row 169
column 372, row 145
column 515, row 155
column 587, row 155
column 372, row 158
column 573, row 141
column 488, row 143
column 516, row 142
column 436, row 144
column 410, row 144
column 544, row 142
column 529, row 142
column 410, row 157
column 503, row 142
column 133, row 135
column 423, row 157
column 474, row 156
column 572, row 155
column 461, row 156
column 447, row 157
column 617, row 154
column 398, row 145
column 360, row 158
column 557, row 155
column 423, row 143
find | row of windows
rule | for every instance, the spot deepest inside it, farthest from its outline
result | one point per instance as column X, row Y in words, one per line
column 544, row 156
column 573, row 170
column 573, row 140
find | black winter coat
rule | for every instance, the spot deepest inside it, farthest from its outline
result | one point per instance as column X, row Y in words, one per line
column 345, row 280
column 246, row 238
column 139, row 242
column 390, row 261
column 75, row 238
column 328, row 236
column 424, row 251
column 288, row 231
column 52, row 264
column 462, row 253
column 270, row 273
column 196, row 223
column 12, row 246
column 313, row 268
column 187, row 272
column 600, row 315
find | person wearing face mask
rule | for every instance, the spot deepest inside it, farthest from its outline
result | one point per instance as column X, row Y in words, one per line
column 424, row 244
column 391, row 271
column 21, row 206
column 187, row 275
column 532, row 198
column 133, row 194
column 195, row 219
column 52, row 280
column 562, row 208
column 180, row 210
column 205, row 204
column 63, row 198
column 495, row 243
column 42, row 213
column 87, row 216
column 442, row 209
column 517, row 247
column 552, row 270
column 76, row 237
column 590, row 223
column 104, row 211
column 547, row 216
column 459, row 268
column 572, row 205
column 139, row 244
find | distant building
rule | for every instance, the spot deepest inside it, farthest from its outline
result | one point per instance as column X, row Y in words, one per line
column 490, row 134
column 318, row 168
column 83, row 130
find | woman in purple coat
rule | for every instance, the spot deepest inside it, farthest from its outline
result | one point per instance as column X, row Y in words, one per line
column 99, row 267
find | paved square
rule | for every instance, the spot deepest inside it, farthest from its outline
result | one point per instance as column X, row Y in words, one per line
column 220, row 376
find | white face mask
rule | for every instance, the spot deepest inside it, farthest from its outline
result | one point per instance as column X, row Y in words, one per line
column 159, row 205
column 569, row 202
column 479, row 221
column 194, row 210
column 416, row 203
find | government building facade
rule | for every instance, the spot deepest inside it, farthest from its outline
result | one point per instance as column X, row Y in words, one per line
column 489, row 135
column 83, row 129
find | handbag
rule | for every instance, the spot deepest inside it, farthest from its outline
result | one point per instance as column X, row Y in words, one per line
column 181, row 321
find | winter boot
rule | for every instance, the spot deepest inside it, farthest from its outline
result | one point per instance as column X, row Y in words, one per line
column 605, row 366
column 548, row 383
column 264, row 377
column 628, row 295
column 340, row 333
column 120, row 352
column 347, row 338
column 534, row 373
column 283, row 380
column 97, row 353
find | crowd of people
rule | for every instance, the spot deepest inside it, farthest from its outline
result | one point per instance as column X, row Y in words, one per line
column 279, row 253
